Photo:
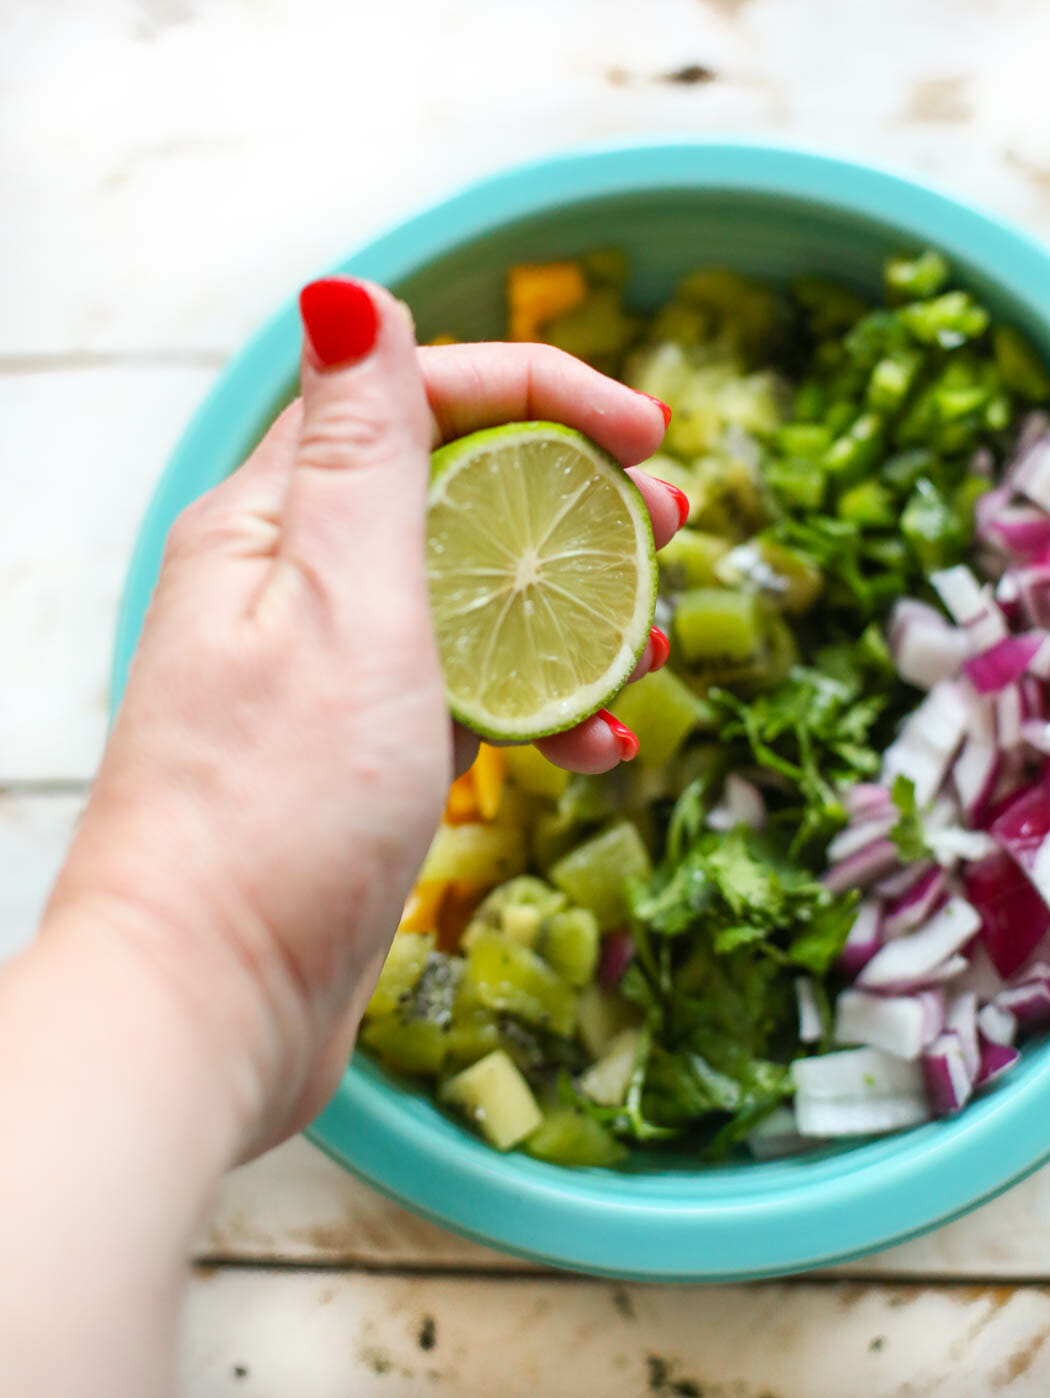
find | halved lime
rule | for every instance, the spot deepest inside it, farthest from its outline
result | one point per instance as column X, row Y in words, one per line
column 542, row 576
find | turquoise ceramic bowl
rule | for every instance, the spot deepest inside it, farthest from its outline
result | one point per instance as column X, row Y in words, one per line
column 672, row 205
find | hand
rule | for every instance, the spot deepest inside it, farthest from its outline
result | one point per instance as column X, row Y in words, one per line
column 282, row 752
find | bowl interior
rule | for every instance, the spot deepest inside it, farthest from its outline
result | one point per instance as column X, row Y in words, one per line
column 774, row 215
column 667, row 233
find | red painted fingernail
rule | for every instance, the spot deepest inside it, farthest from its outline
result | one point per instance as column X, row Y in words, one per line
column 340, row 319
column 662, row 406
column 679, row 497
column 660, row 647
column 625, row 739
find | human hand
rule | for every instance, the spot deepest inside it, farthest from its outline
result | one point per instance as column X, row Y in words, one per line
column 281, row 755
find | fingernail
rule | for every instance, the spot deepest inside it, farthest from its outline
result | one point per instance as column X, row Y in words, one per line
column 340, row 319
column 679, row 497
column 625, row 739
column 660, row 647
column 662, row 406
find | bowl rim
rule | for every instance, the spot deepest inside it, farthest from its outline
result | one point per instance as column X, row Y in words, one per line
column 773, row 1218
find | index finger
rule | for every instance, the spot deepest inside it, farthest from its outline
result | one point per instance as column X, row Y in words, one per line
column 471, row 386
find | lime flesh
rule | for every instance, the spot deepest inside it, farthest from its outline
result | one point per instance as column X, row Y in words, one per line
column 542, row 575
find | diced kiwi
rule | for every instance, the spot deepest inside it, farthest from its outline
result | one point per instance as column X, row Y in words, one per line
column 568, row 941
column 480, row 854
column 568, row 1136
column 504, row 976
column 593, row 874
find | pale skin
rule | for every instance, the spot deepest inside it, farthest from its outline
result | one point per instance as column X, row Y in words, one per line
column 270, row 786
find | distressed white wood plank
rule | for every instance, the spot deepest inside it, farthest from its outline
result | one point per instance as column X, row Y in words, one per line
column 295, row 1205
column 233, row 148
column 80, row 453
column 328, row 1335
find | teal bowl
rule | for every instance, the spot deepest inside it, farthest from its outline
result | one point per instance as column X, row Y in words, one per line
column 671, row 205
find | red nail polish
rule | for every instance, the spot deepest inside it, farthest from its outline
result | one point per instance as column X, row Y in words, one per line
column 625, row 739
column 662, row 406
column 660, row 647
column 679, row 497
column 340, row 319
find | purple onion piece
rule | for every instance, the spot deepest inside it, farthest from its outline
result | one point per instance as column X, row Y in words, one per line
column 944, row 1071
column 915, row 906
column 863, row 868
column 1004, row 663
column 617, row 954
column 996, row 1059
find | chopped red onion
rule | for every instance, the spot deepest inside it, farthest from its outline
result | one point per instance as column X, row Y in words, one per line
column 896, row 1024
column 951, row 969
column 865, row 1116
column 1039, row 665
column 857, row 1092
column 1023, row 531
column 961, row 1019
column 980, row 975
column 897, row 884
column 810, row 1024
column 741, row 804
column 864, row 939
column 912, row 960
column 974, row 774
column 954, row 844
column 858, row 837
column 1028, row 1003
column 915, row 906
column 934, row 1006
column 617, row 954
column 1030, row 473
column 1033, row 698
column 862, row 868
column 1036, row 734
column 1023, row 829
column 927, row 742
column 1014, row 917
column 948, row 1082
column 996, row 1059
column 1008, row 597
column 996, row 1025
column 864, row 800
column 1004, row 663
column 1032, row 585
column 925, row 648
column 1008, row 717
column 960, row 592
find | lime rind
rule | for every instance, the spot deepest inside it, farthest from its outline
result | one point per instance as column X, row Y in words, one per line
column 543, row 578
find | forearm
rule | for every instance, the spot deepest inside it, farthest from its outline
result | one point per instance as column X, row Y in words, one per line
column 115, row 1133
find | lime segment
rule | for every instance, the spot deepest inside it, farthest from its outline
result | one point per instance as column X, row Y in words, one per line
column 542, row 575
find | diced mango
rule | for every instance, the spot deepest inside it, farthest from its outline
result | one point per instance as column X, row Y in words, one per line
column 443, row 340
column 489, row 771
column 461, row 803
column 537, row 292
column 422, row 908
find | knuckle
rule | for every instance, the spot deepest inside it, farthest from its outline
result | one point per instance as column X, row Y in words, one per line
column 341, row 435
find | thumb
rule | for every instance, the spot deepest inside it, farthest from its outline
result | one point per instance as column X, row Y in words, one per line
column 356, row 502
